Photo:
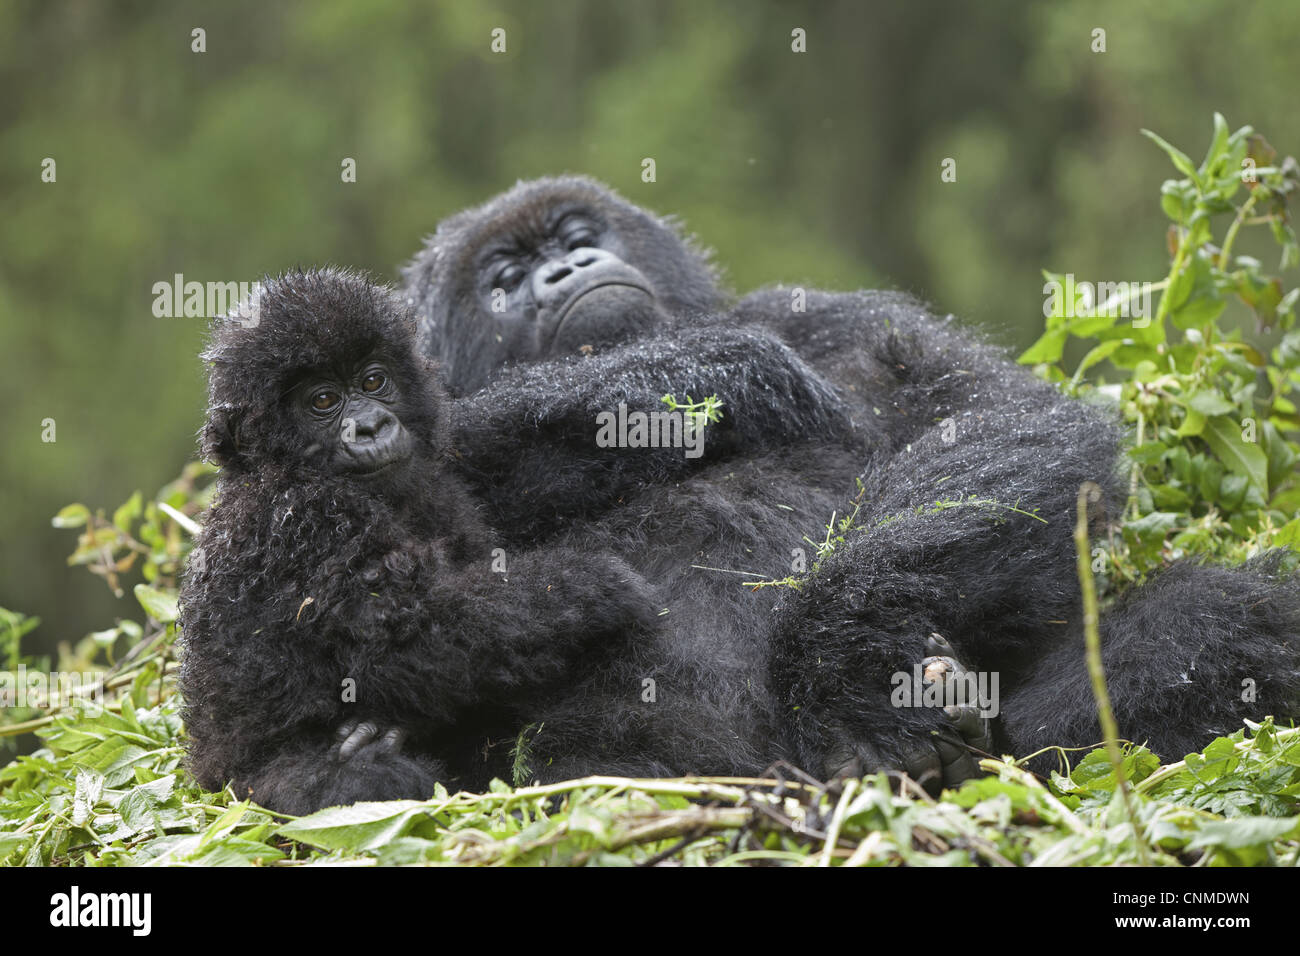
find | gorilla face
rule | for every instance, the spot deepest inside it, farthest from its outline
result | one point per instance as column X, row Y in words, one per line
column 553, row 290
column 325, row 382
column 352, row 421
column 551, row 268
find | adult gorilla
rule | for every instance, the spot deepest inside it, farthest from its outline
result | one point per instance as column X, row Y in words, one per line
column 972, row 468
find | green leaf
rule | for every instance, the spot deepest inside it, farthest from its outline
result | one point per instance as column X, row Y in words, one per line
column 128, row 512
column 1210, row 403
column 1197, row 312
column 1218, row 145
column 224, row 824
column 593, row 820
column 1179, row 289
column 1223, row 434
column 1148, row 452
column 106, row 638
column 159, row 605
column 1049, row 348
column 1289, row 535
column 1193, row 424
column 1150, row 528
column 114, row 758
column 89, row 786
column 1181, row 160
column 71, row 516
column 362, row 826
column 1170, row 498
column 234, row 851
column 1280, row 453
column 1176, row 198
column 1097, row 354
column 1245, row 832
column 1232, row 491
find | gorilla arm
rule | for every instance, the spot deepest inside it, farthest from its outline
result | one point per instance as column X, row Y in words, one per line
column 431, row 640
column 898, row 368
column 948, row 543
column 281, row 690
column 1187, row 658
column 527, row 442
column 964, row 531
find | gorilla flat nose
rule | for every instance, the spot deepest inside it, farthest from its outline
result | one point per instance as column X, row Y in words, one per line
column 555, row 275
column 551, row 282
column 374, row 425
column 561, row 269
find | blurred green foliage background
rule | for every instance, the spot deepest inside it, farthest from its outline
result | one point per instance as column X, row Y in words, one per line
column 819, row 168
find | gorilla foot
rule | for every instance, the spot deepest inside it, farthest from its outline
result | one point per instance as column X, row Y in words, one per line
column 357, row 736
column 944, row 759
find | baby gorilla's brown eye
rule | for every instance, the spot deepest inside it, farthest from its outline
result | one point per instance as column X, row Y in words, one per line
column 373, row 382
column 324, row 401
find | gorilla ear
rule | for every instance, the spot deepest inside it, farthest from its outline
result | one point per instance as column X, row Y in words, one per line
column 217, row 440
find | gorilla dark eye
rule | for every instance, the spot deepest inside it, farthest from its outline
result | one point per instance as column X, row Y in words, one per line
column 324, row 401
column 580, row 239
column 509, row 277
column 373, row 382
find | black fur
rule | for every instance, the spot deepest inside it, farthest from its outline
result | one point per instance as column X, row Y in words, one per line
column 442, row 282
column 303, row 578
column 972, row 468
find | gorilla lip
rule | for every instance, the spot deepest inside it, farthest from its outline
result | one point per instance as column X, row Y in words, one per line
column 370, row 469
column 367, row 466
column 613, row 283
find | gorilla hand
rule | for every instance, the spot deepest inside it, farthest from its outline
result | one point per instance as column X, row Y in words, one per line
column 949, row 757
column 354, row 735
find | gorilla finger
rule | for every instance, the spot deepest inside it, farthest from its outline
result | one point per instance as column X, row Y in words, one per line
column 925, row 766
column 843, row 767
column 958, row 763
column 940, row 669
column 959, row 770
column 362, row 735
column 345, row 730
column 974, row 729
column 391, row 740
column 948, row 746
column 936, row 646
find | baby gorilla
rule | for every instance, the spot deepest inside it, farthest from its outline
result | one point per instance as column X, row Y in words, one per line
column 341, row 611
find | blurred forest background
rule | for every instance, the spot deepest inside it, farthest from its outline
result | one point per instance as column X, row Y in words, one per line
column 818, row 168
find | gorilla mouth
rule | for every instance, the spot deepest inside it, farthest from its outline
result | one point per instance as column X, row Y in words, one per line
column 370, row 469
column 611, row 284
column 370, row 462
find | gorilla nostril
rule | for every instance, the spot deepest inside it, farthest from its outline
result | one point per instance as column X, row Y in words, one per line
column 584, row 261
column 563, row 272
column 375, row 427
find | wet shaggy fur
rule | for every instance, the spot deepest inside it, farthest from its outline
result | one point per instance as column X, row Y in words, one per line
column 970, row 469
column 305, row 582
